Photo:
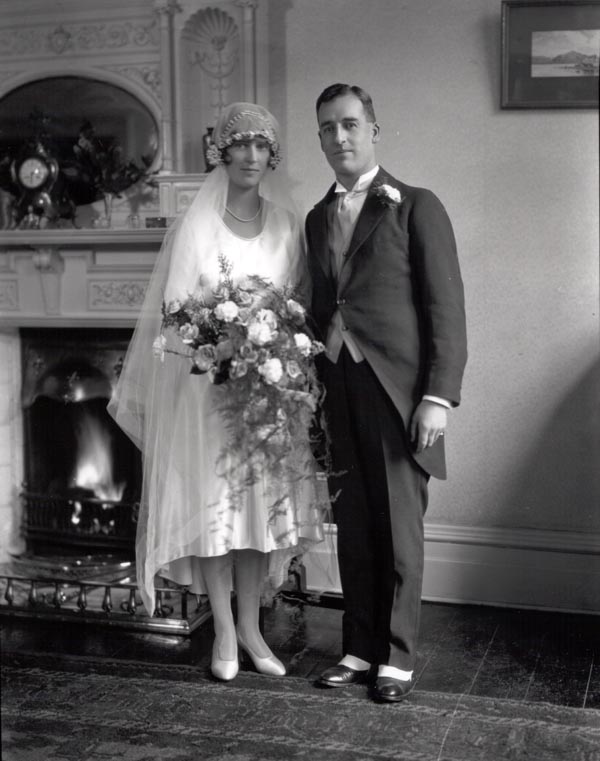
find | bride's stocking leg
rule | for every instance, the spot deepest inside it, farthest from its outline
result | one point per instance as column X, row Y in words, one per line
column 250, row 572
column 217, row 576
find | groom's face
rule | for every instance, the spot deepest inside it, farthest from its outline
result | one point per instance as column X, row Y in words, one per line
column 347, row 138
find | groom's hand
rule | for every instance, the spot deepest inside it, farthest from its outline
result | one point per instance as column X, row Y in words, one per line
column 428, row 423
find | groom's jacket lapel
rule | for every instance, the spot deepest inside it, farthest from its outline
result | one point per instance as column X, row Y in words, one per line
column 369, row 217
column 318, row 233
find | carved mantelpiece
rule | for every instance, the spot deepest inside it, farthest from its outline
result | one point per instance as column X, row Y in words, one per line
column 182, row 59
column 75, row 277
column 74, row 237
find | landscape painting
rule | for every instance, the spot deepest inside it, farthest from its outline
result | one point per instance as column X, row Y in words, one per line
column 565, row 53
column 550, row 53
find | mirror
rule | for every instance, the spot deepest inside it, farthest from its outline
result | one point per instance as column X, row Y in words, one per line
column 66, row 102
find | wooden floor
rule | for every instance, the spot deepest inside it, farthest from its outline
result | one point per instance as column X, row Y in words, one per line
column 503, row 653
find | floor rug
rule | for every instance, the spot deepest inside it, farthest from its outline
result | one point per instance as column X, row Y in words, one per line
column 57, row 708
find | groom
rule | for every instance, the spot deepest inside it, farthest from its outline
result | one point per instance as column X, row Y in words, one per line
column 388, row 301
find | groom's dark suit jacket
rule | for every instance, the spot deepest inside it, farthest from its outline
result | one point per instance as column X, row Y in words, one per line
column 400, row 293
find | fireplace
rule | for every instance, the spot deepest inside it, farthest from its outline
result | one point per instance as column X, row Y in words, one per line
column 82, row 475
column 70, row 479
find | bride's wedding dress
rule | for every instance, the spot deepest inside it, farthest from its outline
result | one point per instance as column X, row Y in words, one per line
column 190, row 512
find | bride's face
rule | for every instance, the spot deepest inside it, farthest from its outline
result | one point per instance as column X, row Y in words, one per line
column 246, row 161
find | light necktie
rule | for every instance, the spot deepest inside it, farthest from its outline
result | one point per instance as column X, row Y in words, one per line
column 343, row 221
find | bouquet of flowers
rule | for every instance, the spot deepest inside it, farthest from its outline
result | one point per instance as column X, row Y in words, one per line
column 252, row 338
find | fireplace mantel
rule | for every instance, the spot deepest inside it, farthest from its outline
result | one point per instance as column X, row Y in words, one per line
column 73, row 237
column 75, row 277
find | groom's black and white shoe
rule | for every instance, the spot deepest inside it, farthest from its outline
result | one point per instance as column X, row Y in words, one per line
column 343, row 676
column 389, row 690
column 392, row 685
column 350, row 670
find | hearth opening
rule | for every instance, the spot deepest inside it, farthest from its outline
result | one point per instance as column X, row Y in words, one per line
column 82, row 479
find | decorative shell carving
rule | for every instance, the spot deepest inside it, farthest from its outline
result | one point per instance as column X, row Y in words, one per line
column 211, row 30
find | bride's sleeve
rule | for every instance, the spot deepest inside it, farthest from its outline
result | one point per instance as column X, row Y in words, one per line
column 300, row 276
column 184, row 265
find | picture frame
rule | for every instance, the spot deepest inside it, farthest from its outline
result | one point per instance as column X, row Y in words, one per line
column 550, row 53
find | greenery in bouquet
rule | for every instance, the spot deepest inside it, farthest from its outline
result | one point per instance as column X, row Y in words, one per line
column 253, row 339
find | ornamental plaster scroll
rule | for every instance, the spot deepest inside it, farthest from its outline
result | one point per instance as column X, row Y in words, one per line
column 146, row 76
column 214, row 45
column 20, row 42
column 9, row 295
column 74, row 39
column 108, row 294
column 60, row 40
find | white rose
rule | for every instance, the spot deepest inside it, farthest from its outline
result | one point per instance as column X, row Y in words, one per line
column 248, row 353
column 271, row 370
column 227, row 311
column 174, row 306
column 303, row 343
column 268, row 317
column 188, row 333
column 204, row 357
column 260, row 333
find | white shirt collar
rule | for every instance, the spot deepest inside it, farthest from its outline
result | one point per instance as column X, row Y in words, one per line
column 363, row 182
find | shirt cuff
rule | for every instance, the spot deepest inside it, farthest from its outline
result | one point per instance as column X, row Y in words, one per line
column 437, row 400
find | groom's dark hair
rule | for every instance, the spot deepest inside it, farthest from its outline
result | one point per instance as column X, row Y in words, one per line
column 338, row 90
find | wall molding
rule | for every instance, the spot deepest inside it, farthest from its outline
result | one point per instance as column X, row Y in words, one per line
column 522, row 538
column 504, row 567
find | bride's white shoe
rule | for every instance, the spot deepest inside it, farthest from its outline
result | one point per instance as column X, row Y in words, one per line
column 222, row 669
column 271, row 666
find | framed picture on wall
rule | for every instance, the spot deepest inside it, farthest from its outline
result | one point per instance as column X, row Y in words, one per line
column 550, row 53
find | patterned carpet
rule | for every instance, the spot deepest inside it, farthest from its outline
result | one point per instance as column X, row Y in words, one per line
column 82, row 709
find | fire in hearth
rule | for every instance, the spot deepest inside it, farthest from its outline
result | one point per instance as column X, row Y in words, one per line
column 82, row 474
column 93, row 469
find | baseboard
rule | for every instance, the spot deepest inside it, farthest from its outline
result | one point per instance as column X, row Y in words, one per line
column 521, row 568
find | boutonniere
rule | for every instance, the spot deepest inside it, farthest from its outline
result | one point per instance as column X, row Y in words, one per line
column 388, row 195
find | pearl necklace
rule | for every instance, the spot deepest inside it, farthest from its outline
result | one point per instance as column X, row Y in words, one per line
column 240, row 219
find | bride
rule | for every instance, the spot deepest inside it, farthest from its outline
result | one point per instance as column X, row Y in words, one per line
column 187, row 530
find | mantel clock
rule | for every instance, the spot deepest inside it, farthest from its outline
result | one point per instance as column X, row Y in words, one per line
column 35, row 173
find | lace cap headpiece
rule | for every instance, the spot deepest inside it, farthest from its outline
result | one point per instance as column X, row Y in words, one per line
column 244, row 121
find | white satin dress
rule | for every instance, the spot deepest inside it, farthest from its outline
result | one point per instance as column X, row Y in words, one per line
column 192, row 516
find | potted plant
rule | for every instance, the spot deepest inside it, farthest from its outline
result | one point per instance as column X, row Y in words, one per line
column 100, row 163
